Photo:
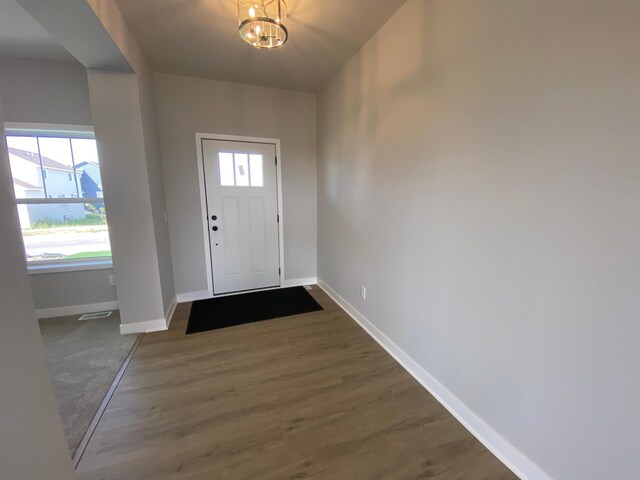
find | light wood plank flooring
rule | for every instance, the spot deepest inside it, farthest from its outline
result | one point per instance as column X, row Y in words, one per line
column 309, row 396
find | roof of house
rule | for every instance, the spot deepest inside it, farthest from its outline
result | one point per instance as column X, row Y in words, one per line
column 82, row 164
column 27, row 185
column 46, row 161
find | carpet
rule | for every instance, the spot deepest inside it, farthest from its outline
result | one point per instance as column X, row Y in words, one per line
column 84, row 357
column 252, row 307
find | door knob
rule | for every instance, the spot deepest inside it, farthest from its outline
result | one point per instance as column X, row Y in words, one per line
column 215, row 229
column 214, row 217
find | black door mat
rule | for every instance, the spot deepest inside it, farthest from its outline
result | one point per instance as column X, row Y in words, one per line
column 222, row 312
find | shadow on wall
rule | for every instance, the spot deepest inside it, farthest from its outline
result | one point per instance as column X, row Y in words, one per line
column 375, row 104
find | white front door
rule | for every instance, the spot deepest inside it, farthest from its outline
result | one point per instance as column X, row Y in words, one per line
column 242, row 207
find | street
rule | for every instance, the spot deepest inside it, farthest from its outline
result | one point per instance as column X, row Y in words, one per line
column 67, row 241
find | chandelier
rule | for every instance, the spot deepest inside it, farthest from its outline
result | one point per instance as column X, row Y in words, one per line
column 261, row 22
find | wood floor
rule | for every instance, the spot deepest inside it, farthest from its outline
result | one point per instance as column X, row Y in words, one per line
column 309, row 396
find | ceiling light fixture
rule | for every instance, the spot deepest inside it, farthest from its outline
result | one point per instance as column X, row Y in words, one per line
column 262, row 22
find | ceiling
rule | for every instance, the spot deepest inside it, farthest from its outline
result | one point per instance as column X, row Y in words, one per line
column 23, row 37
column 200, row 38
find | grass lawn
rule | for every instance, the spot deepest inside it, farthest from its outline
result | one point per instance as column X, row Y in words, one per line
column 104, row 253
column 90, row 219
column 31, row 232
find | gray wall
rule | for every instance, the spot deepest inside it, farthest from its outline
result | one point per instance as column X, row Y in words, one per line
column 38, row 91
column 54, row 290
column 35, row 91
column 189, row 105
column 63, row 90
column 32, row 443
column 479, row 174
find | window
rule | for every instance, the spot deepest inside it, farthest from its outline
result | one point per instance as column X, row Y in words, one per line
column 58, row 189
column 240, row 170
column 255, row 162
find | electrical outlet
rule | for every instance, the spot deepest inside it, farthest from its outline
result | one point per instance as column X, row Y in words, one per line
column 363, row 292
column 112, row 279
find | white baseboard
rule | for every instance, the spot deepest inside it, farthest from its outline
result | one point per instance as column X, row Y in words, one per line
column 192, row 296
column 299, row 282
column 502, row 449
column 168, row 315
column 144, row 327
column 76, row 309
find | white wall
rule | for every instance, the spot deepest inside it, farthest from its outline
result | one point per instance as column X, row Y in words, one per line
column 156, row 185
column 32, row 443
column 114, row 24
column 115, row 100
column 37, row 91
column 189, row 105
column 479, row 173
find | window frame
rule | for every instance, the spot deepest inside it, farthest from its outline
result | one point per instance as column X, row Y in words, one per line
column 13, row 129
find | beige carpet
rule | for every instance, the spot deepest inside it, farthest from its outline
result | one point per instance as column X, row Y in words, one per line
column 84, row 358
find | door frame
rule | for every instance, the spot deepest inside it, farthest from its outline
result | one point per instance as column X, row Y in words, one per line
column 203, row 200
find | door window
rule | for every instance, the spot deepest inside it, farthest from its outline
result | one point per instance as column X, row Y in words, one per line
column 227, row 177
column 240, row 170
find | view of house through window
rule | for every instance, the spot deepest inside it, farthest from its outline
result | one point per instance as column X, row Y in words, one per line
column 58, row 190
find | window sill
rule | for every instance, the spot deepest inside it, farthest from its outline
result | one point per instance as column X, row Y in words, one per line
column 70, row 267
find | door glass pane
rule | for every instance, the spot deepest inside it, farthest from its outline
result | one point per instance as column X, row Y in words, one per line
column 226, row 170
column 242, row 170
column 256, row 170
column 25, row 167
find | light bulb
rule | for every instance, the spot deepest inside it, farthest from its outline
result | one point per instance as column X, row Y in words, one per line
column 252, row 12
column 258, row 29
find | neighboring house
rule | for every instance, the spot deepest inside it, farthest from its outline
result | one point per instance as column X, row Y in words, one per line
column 51, row 179
column 26, row 190
column 90, row 180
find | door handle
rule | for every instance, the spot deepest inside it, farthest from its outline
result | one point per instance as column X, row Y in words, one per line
column 214, row 228
column 214, row 217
